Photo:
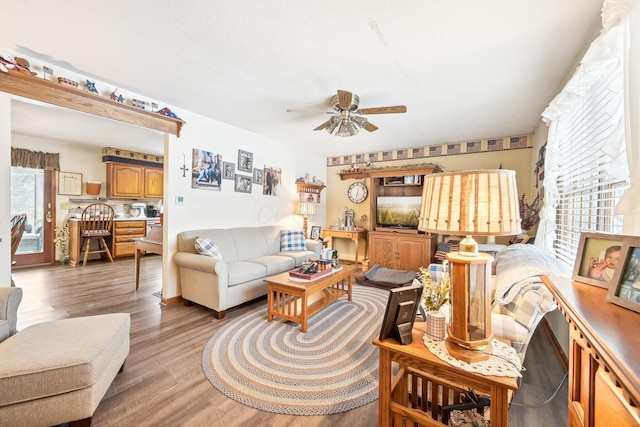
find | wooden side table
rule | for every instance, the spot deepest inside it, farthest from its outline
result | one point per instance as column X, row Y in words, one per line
column 354, row 235
column 433, row 383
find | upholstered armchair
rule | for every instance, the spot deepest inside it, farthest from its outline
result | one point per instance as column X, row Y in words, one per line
column 58, row 371
column 9, row 301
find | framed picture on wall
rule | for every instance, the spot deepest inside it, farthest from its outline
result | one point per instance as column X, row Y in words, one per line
column 228, row 170
column 625, row 289
column 245, row 161
column 598, row 258
column 243, row 184
column 69, row 183
column 258, row 176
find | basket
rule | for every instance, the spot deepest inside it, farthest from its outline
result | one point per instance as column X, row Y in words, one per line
column 93, row 188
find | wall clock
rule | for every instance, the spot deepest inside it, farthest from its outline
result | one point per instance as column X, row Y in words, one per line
column 357, row 192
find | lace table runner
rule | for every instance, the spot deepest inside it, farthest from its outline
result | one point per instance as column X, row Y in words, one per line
column 504, row 361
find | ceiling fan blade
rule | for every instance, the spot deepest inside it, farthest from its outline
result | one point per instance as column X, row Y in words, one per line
column 324, row 125
column 370, row 126
column 344, row 99
column 293, row 110
column 384, row 110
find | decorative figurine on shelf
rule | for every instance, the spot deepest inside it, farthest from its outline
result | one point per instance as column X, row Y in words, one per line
column 167, row 112
column 91, row 86
column 139, row 104
column 118, row 98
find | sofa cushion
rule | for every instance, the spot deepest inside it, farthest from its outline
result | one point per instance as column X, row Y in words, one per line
column 60, row 356
column 299, row 257
column 292, row 240
column 206, row 247
column 275, row 263
column 505, row 326
column 244, row 271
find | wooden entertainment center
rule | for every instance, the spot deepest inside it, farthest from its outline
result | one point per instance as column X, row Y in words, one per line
column 397, row 248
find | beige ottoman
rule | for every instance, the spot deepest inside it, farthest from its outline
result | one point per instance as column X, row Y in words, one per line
column 59, row 371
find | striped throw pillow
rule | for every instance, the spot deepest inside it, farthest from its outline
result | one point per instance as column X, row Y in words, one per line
column 206, row 247
column 291, row 241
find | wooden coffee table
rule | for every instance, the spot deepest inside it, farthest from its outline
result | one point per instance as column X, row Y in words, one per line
column 298, row 300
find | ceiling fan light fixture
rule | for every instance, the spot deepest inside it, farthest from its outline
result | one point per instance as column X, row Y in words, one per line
column 346, row 128
column 360, row 121
column 334, row 121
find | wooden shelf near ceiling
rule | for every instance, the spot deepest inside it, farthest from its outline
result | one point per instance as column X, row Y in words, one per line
column 304, row 187
column 39, row 89
column 425, row 169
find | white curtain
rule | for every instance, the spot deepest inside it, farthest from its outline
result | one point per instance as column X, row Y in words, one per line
column 629, row 205
column 612, row 48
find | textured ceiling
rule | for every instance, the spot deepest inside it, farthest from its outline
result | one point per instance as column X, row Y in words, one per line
column 464, row 69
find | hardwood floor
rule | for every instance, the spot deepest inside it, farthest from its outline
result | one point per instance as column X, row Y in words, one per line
column 163, row 383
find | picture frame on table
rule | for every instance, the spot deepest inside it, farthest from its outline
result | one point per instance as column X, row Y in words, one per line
column 625, row 289
column 245, row 161
column 243, row 184
column 315, row 232
column 69, row 183
column 598, row 258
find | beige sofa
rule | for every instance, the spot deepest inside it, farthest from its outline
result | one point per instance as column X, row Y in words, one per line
column 249, row 254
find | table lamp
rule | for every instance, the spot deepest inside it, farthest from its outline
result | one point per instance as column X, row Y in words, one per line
column 476, row 202
column 305, row 209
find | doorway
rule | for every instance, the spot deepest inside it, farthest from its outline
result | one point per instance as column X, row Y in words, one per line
column 32, row 194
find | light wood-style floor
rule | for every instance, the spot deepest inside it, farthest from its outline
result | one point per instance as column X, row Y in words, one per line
column 163, row 383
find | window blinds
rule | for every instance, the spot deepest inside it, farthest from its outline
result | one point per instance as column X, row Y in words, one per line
column 586, row 193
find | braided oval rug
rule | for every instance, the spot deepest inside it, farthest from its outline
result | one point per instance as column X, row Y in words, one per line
column 274, row 367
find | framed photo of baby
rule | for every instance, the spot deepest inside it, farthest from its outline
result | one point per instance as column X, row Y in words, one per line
column 598, row 258
column 625, row 289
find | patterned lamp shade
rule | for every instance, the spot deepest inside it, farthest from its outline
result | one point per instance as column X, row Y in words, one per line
column 305, row 208
column 477, row 202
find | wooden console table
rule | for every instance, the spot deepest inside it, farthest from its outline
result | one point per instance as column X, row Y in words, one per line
column 354, row 235
column 425, row 374
column 604, row 361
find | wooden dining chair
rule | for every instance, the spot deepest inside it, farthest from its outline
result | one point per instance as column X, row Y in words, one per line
column 17, row 229
column 96, row 223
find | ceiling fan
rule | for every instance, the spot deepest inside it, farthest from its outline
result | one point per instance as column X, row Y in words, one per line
column 347, row 117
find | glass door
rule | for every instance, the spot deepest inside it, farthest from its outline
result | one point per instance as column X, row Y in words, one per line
column 31, row 194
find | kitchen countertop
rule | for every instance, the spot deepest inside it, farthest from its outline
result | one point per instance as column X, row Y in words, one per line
column 126, row 219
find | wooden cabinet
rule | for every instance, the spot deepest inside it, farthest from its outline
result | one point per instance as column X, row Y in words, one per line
column 120, row 243
column 604, row 367
column 402, row 251
column 153, row 183
column 134, row 182
column 123, row 234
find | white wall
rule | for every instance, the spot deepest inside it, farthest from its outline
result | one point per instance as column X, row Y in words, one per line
column 5, row 182
column 227, row 208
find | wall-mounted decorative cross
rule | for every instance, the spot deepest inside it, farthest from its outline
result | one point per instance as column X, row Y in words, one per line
column 184, row 168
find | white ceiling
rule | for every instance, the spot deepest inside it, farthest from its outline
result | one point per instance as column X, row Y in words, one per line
column 465, row 69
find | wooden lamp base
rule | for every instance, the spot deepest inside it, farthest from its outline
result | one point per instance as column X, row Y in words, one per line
column 468, row 355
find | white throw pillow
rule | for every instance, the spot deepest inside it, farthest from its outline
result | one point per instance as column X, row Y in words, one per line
column 291, row 241
column 206, row 247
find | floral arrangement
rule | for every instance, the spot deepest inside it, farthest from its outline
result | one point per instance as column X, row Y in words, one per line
column 529, row 213
column 61, row 240
column 435, row 294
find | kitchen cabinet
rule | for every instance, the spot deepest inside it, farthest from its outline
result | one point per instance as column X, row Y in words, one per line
column 401, row 250
column 134, row 182
column 123, row 234
column 120, row 242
